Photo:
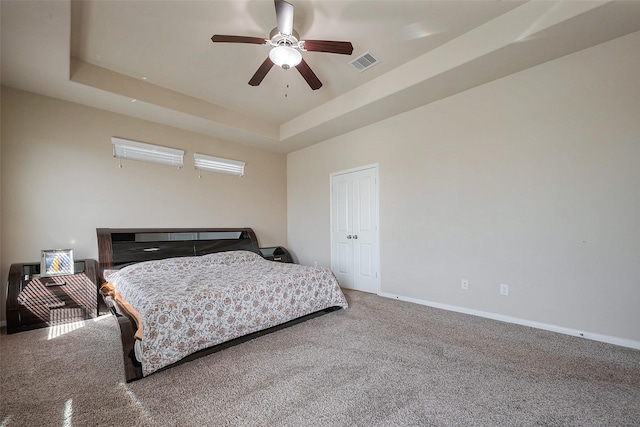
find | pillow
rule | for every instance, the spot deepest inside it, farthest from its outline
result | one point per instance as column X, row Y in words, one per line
column 231, row 257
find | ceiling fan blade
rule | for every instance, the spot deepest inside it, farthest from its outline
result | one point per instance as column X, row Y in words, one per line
column 309, row 75
column 219, row 38
column 284, row 15
column 261, row 73
column 329, row 46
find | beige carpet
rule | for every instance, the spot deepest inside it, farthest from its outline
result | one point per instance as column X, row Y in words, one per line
column 380, row 363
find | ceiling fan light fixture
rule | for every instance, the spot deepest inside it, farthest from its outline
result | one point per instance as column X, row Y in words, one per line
column 285, row 56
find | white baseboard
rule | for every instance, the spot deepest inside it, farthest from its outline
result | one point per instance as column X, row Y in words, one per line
column 538, row 325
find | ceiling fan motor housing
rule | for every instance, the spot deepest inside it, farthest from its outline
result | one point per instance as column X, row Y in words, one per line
column 290, row 40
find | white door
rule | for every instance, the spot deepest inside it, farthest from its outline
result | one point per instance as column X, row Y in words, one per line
column 354, row 228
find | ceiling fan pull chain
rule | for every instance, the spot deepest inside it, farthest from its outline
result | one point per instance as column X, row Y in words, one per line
column 286, row 81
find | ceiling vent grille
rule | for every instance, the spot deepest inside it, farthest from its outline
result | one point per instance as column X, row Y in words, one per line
column 364, row 62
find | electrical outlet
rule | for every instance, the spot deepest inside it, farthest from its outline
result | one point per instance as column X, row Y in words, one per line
column 465, row 284
column 504, row 289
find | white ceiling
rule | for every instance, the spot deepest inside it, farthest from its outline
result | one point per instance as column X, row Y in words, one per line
column 106, row 53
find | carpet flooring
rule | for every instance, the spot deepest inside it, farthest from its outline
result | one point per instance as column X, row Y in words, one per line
column 382, row 362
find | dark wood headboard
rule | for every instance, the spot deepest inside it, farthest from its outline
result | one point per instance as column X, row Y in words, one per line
column 119, row 246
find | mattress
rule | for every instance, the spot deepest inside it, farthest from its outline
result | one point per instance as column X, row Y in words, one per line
column 190, row 303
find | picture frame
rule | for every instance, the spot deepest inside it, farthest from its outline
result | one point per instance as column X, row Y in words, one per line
column 56, row 262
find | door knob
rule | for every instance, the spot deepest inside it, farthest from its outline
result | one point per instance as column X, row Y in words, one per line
column 355, row 236
column 349, row 236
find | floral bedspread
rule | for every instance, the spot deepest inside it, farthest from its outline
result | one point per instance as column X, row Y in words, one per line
column 190, row 303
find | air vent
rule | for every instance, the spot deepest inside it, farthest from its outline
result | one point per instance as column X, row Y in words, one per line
column 364, row 62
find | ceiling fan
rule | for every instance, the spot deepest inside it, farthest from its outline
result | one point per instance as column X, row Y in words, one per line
column 286, row 46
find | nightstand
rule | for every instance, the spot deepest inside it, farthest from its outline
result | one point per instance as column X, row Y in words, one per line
column 276, row 253
column 37, row 302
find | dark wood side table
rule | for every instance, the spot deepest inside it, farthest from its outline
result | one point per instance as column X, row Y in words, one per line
column 35, row 302
column 276, row 253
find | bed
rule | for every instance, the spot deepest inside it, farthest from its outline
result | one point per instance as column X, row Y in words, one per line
column 179, row 294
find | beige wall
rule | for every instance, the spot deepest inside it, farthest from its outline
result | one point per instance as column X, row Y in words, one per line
column 59, row 181
column 532, row 180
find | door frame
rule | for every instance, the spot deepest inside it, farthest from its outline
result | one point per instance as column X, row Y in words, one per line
column 376, row 169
